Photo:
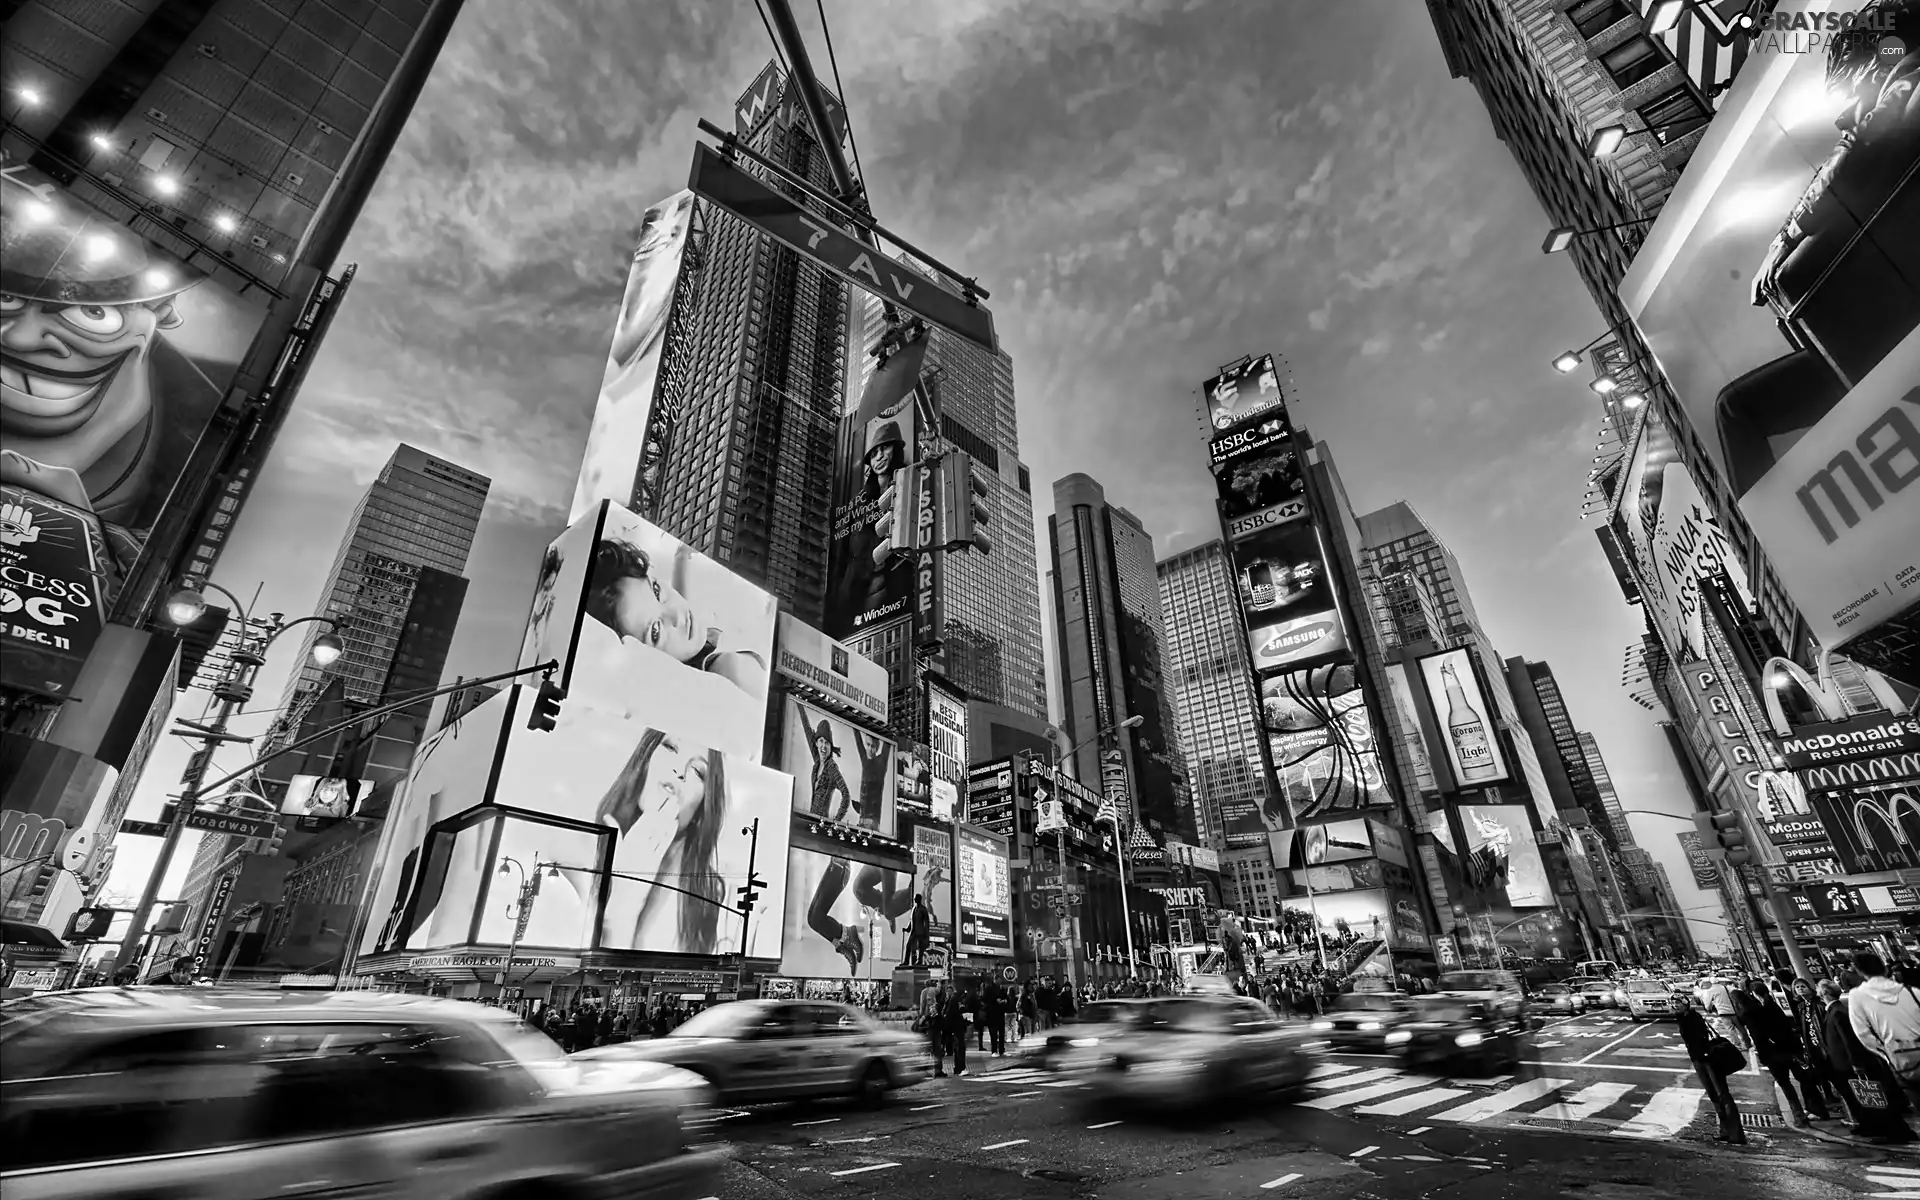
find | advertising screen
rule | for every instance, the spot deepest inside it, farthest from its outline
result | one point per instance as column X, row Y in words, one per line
column 841, row 773
column 1266, row 434
column 1312, row 845
column 844, row 919
column 1292, row 641
column 665, row 636
column 1407, row 715
column 876, row 441
column 1502, row 851
column 1753, row 289
column 54, row 802
column 986, row 894
column 559, row 594
column 1241, row 393
column 1670, row 532
column 1347, row 917
column 561, row 913
column 1281, row 573
column 947, row 735
column 323, row 799
column 1260, row 481
column 810, row 657
column 1326, row 759
column 932, row 871
column 52, row 558
column 617, row 440
column 1464, row 716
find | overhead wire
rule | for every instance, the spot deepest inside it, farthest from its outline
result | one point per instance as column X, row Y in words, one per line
column 772, row 37
column 840, row 90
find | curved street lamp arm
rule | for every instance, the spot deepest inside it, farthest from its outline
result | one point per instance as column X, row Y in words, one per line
column 189, row 798
column 329, row 622
column 722, row 905
column 208, row 585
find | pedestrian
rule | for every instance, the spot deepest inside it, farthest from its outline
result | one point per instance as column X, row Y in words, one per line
column 1886, row 1018
column 180, row 974
column 1043, row 1001
column 994, row 1014
column 930, row 1019
column 1809, row 1012
column 1776, row 1042
column 1063, row 1006
column 1873, row 1101
column 953, row 1022
column 1713, row 1056
column 1029, row 1012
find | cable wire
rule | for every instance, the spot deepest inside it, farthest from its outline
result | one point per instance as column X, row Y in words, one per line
column 772, row 37
column 852, row 142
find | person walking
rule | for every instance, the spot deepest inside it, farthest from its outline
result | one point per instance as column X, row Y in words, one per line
column 1872, row 1100
column 1776, row 1043
column 1029, row 1010
column 953, row 1022
column 1713, row 1056
column 1043, row 1002
column 931, row 1019
column 1809, row 1013
column 1885, row 1016
column 993, row 1012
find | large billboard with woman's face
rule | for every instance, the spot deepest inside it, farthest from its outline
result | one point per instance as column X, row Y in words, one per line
column 646, row 627
column 841, row 773
column 1780, row 291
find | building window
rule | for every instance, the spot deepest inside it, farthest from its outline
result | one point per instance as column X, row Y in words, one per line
column 1674, row 114
column 1592, row 17
column 1631, row 61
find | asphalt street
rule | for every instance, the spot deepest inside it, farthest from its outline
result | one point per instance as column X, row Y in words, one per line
column 1600, row 1111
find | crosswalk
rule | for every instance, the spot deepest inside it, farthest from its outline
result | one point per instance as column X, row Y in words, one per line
column 1894, row 1183
column 1629, row 1110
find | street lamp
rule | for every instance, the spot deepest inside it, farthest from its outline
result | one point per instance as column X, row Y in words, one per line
column 232, row 690
column 1561, row 236
column 1607, row 139
column 521, row 910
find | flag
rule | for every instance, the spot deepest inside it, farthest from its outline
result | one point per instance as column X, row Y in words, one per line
column 1108, row 811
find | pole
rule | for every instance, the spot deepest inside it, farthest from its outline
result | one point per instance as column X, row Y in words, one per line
column 746, row 914
column 1126, row 910
column 529, row 892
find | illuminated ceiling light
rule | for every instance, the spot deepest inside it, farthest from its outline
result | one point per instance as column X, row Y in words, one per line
column 1665, row 15
column 99, row 245
column 35, row 212
column 1633, row 399
column 1605, row 384
column 101, row 141
column 1606, row 140
column 280, row 258
column 1558, row 239
column 29, row 96
column 1567, row 361
column 166, row 185
column 225, row 223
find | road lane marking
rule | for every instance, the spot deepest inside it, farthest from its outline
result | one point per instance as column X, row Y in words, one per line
column 925, row 1107
column 1584, row 1103
column 1548, row 1045
column 1017, row 1095
column 1629, row 1035
column 1104, row 1125
column 1004, row 1145
column 1892, row 1170
column 1419, row 1158
column 1384, row 1088
column 1479, row 1110
column 1363, row 1151
column 851, row 1141
column 1362, row 1077
column 821, row 1121
column 1497, row 1080
column 862, row 1170
column 1401, row 1106
column 1417, row 1132
column 1321, row 1072
column 1280, row 1182
column 1062, row 1083
column 1670, row 1111
column 1567, row 1066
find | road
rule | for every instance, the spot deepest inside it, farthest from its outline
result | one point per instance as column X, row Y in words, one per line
column 1600, row 1111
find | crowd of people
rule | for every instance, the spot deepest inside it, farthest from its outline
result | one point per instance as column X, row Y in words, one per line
column 1843, row 1048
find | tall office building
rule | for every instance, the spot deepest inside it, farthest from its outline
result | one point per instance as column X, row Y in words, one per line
column 1108, row 630
column 242, row 137
column 991, row 640
column 1603, row 784
column 758, row 360
column 1568, row 751
column 1207, row 671
column 1552, row 75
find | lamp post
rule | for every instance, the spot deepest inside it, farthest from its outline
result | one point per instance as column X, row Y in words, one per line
column 1065, row 757
column 234, row 689
column 1561, row 236
column 521, row 910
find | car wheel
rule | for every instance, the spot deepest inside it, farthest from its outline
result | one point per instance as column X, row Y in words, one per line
column 873, row 1085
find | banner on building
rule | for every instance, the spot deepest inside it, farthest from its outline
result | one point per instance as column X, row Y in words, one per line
column 1672, row 537
column 844, row 919
column 1464, row 714
column 842, row 774
column 1244, row 392
column 878, row 440
column 986, row 893
column 947, row 735
column 52, row 558
column 1268, row 482
column 811, row 658
column 1856, row 738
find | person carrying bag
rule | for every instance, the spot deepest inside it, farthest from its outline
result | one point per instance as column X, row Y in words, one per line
column 1715, row 1056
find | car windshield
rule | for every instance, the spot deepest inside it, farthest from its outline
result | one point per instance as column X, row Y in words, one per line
column 1181, row 1016
column 1647, row 987
column 1469, row 981
column 721, row 1021
column 1370, row 1002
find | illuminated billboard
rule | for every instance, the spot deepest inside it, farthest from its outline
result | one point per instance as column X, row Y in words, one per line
column 932, row 848
column 646, row 626
column 807, row 656
column 1671, row 536
column 947, row 739
column 1780, row 293
column 1501, row 853
column 878, row 439
column 986, row 893
column 1321, row 741
column 841, row 773
column 617, row 441
column 1243, row 392
column 1461, row 709
column 1261, row 481
column 1313, row 845
column 844, row 919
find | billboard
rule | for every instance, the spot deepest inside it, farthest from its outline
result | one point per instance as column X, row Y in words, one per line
column 617, row 441
column 1672, row 537
column 844, row 919
column 316, row 798
column 1281, row 573
column 1706, row 874
column 1263, row 435
column 1462, row 711
column 986, row 893
column 53, row 801
column 1320, row 735
column 115, row 355
column 1412, row 740
column 879, row 438
column 809, row 657
column 841, row 773
column 52, row 558
column 1243, row 392
column 932, row 847
column 645, row 626
column 1502, row 852
column 1847, row 740
column 1261, row 481
column 1780, row 293
column 947, row 737
column 1313, row 845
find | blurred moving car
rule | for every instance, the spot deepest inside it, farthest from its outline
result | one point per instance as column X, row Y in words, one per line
column 1500, row 991
column 1598, row 993
column 1558, row 999
column 1049, row 1049
column 1459, row 1037
column 1361, row 1020
column 220, row 1094
column 752, row 1051
column 1188, row 1050
column 1648, row 1000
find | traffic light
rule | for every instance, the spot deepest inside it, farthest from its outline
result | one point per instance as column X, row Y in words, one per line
column 897, row 526
column 546, row 706
column 90, row 924
column 1724, row 834
column 963, row 503
column 749, row 892
column 172, row 919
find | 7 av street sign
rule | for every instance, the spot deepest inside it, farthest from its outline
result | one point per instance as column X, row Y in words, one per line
column 815, row 236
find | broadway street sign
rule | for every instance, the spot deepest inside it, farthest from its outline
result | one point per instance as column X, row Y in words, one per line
column 231, row 823
column 825, row 243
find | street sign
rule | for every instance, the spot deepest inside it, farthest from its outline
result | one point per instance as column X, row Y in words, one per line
column 819, row 238
column 237, row 824
column 144, row 828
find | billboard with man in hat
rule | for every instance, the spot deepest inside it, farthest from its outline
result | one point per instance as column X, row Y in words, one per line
column 114, row 355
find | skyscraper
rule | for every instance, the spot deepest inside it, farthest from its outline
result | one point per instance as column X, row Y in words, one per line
column 242, row 137
column 1565, row 739
column 1109, row 627
column 1207, row 672
column 991, row 641
column 1603, row 784
column 757, row 363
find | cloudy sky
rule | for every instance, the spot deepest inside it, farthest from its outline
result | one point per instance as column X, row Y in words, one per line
column 1149, row 188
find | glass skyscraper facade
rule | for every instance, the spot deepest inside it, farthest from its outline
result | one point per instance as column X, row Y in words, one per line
column 1208, row 679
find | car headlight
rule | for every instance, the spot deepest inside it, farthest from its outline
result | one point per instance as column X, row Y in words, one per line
column 1369, row 1024
column 1468, row 1039
column 1083, row 1042
column 1399, row 1037
column 1323, row 1024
